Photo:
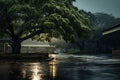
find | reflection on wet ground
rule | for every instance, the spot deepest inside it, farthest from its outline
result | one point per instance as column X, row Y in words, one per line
column 63, row 67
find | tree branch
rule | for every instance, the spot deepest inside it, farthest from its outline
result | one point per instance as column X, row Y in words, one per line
column 7, row 32
column 32, row 34
column 20, row 32
column 22, row 29
column 11, row 30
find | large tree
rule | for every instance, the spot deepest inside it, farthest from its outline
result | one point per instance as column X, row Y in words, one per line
column 41, row 20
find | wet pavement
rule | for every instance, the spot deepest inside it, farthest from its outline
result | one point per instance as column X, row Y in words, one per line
column 63, row 67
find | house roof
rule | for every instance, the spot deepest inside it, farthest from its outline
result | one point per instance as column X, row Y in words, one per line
column 114, row 28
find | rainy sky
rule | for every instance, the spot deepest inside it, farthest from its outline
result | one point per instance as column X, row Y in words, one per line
column 106, row 6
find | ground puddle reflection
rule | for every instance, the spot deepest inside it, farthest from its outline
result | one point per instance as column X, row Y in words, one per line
column 63, row 67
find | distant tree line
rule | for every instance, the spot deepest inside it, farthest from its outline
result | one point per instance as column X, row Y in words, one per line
column 99, row 22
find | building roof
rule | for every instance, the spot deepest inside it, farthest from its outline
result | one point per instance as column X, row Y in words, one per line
column 114, row 28
column 33, row 45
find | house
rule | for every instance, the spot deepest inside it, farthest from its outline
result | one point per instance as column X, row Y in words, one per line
column 112, row 38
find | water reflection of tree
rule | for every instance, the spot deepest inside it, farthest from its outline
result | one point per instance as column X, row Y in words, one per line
column 15, row 72
column 53, row 69
column 28, row 71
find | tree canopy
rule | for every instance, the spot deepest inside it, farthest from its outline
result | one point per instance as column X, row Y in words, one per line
column 41, row 20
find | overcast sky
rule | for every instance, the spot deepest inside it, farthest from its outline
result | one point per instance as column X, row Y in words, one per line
column 106, row 6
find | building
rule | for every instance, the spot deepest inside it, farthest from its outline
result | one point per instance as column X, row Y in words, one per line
column 112, row 38
column 29, row 47
column 3, row 45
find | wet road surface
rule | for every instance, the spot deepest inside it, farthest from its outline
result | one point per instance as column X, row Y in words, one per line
column 63, row 67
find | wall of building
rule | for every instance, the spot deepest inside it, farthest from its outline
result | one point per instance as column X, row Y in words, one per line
column 28, row 49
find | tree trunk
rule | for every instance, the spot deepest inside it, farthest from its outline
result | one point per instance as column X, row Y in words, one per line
column 16, row 49
column 16, row 46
